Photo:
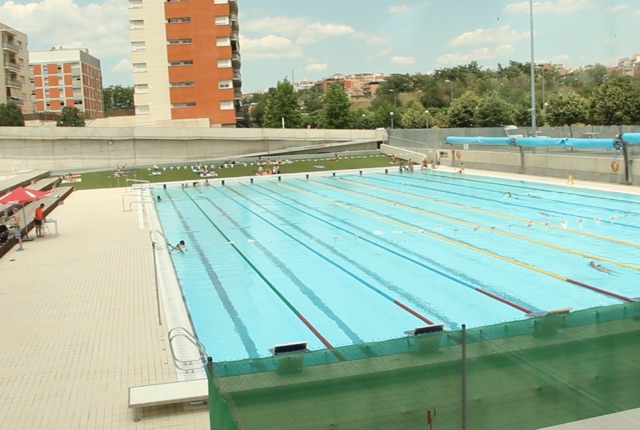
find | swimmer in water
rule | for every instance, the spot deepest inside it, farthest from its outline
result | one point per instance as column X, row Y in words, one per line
column 600, row 267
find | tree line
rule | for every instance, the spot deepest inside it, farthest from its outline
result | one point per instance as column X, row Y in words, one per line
column 462, row 96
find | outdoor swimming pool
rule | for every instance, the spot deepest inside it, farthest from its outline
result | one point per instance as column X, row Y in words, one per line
column 351, row 258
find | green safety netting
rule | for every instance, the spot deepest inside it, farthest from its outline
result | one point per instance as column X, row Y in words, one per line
column 519, row 375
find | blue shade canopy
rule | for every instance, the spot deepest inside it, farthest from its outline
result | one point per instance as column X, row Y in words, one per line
column 542, row 141
column 591, row 143
column 480, row 140
column 630, row 137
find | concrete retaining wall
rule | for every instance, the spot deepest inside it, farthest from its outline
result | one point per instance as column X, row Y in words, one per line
column 581, row 167
column 57, row 148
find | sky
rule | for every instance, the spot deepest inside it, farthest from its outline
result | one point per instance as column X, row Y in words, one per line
column 307, row 39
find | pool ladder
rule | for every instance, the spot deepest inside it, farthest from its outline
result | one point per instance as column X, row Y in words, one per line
column 186, row 365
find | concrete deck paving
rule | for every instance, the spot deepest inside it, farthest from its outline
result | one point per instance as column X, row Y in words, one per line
column 80, row 324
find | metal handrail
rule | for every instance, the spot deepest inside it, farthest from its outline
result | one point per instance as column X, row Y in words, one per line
column 137, row 181
column 187, row 365
column 135, row 201
column 154, row 242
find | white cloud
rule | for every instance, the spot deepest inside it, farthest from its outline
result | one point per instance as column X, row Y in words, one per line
column 103, row 28
column 636, row 12
column 493, row 36
column 481, row 54
column 122, row 66
column 369, row 39
column 316, row 67
column 269, row 47
column 400, row 60
column 302, row 29
column 618, row 8
column 399, row 8
column 558, row 7
column 383, row 52
column 315, row 31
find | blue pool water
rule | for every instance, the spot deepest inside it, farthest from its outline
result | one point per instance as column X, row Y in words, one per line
column 356, row 258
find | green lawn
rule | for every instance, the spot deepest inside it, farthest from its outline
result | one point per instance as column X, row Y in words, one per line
column 184, row 172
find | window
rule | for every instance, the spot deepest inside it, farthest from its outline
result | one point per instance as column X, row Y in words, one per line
column 182, row 105
column 220, row 1
column 222, row 20
column 137, row 46
column 136, row 24
column 141, row 88
column 135, row 4
column 223, row 41
column 178, row 20
column 225, row 84
column 181, row 63
column 179, row 41
column 142, row 109
column 224, row 63
column 182, row 84
column 139, row 67
column 227, row 105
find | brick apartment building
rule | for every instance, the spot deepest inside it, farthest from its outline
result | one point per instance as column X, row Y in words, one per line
column 186, row 60
column 66, row 77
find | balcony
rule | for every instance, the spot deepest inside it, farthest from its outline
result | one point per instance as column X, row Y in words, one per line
column 233, row 6
column 237, row 76
column 237, row 95
column 10, row 46
column 236, row 59
column 11, row 65
column 239, row 111
column 15, row 83
column 16, row 100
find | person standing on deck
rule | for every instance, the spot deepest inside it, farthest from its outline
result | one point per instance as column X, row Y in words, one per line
column 38, row 219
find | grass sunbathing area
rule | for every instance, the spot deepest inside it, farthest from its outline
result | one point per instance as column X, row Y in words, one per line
column 184, row 171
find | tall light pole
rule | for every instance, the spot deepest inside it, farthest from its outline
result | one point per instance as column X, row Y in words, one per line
column 533, row 73
column 426, row 114
column 391, row 115
column 282, row 122
column 447, row 81
column 395, row 98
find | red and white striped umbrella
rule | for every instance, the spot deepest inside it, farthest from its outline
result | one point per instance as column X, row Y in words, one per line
column 22, row 195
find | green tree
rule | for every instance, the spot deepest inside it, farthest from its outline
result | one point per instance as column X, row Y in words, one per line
column 414, row 116
column 462, row 110
column 282, row 102
column 70, row 117
column 492, row 111
column 256, row 106
column 336, row 112
column 615, row 102
column 566, row 109
column 11, row 115
column 381, row 117
column 117, row 97
column 311, row 100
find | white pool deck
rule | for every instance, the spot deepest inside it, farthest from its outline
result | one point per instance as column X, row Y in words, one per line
column 79, row 322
